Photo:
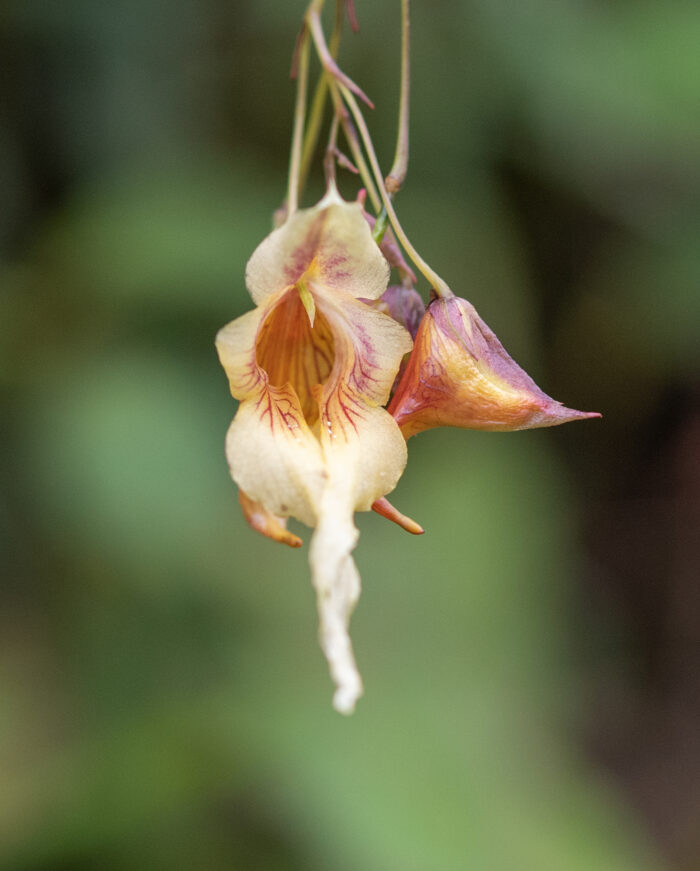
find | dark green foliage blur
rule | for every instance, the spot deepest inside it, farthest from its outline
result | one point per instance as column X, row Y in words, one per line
column 531, row 663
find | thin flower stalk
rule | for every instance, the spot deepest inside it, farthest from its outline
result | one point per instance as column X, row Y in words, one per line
column 330, row 158
column 313, row 20
column 353, row 141
column 339, row 82
column 302, row 73
column 438, row 284
column 318, row 102
column 397, row 173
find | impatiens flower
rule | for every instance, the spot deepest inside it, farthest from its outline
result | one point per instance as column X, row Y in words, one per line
column 313, row 367
column 459, row 374
column 315, row 363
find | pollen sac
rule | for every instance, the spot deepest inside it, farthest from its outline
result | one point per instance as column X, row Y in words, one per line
column 459, row 374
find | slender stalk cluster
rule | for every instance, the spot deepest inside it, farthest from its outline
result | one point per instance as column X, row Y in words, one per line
column 347, row 114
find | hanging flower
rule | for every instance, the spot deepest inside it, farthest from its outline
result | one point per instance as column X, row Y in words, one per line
column 314, row 364
column 459, row 374
column 312, row 367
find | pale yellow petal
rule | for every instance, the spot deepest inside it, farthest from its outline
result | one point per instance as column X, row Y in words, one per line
column 361, row 442
column 235, row 345
column 272, row 453
column 330, row 242
column 369, row 346
column 274, row 457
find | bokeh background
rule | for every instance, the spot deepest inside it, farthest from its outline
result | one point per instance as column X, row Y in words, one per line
column 531, row 663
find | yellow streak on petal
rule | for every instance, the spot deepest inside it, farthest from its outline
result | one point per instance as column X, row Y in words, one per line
column 307, row 300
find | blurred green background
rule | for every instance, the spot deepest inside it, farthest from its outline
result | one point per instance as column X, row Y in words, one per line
column 531, row 663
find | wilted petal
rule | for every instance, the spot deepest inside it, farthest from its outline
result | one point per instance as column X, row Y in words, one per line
column 337, row 584
column 331, row 242
column 459, row 374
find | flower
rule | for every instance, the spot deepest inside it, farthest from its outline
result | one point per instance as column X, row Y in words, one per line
column 459, row 374
column 313, row 367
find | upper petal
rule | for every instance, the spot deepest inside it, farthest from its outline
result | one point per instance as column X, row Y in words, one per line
column 331, row 241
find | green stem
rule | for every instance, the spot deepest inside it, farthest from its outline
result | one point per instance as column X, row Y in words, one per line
column 331, row 150
column 439, row 286
column 380, row 227
column 318, row 103
column 313, row 21
column 355, row 147
column 397, row 174
column 335, row 77
column 299, row 116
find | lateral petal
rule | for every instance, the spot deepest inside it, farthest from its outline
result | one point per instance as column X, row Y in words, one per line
column 272, row 453
column 274, row 457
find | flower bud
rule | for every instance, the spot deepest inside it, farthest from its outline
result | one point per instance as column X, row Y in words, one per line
column 459, row 374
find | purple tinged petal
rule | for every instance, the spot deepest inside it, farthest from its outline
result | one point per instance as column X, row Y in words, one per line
column 459, row 374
